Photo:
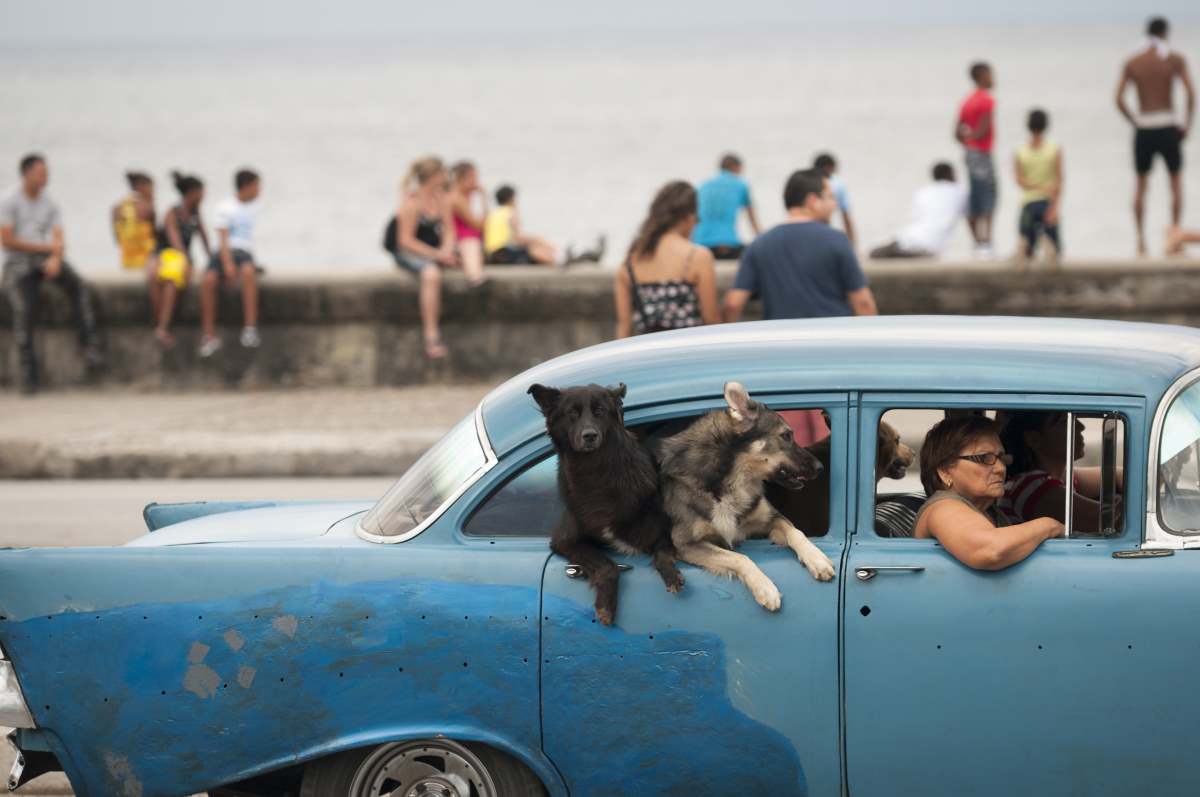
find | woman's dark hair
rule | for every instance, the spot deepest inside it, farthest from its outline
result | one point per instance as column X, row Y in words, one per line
column 801, row 184
column 1012, row 435
column 1157, row 26
column 673, row 203
column 1038, row 121
column 186, row 183
column 946, row 440
column 137, row 178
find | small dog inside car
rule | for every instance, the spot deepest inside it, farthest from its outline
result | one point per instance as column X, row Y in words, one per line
column 713, row 476
column 609, row 487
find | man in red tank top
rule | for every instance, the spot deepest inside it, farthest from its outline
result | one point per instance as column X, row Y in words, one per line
column 974, row 130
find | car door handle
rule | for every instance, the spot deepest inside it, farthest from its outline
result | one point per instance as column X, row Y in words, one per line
column 577, row 571
column 869, row 572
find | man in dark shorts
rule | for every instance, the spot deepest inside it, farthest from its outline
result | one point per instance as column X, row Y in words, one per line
column 975, row 130
column 1158, row 131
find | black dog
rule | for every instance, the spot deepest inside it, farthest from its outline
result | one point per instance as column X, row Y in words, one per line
column 609, row 485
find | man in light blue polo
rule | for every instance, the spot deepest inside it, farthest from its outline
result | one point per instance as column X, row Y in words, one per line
column 720, row 199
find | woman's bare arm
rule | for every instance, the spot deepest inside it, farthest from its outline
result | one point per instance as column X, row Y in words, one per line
column 973, row 540
column 624, row 304
column 705, row 279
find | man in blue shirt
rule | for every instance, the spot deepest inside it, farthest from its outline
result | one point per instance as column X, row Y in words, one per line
column 720, row 199
column 802, row 268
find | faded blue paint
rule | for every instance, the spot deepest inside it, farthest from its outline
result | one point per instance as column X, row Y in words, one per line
column 878, row 353
column 700, row 693
column 336, row 630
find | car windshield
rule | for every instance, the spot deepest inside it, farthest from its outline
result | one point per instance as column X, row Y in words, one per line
column 1179, row 464
column 437, row 476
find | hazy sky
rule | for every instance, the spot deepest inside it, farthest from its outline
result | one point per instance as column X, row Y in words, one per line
column 112, row 21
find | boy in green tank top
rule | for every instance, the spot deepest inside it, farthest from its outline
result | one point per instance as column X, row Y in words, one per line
column 1038, row 165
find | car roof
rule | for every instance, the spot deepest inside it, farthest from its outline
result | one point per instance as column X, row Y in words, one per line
column 883, row 353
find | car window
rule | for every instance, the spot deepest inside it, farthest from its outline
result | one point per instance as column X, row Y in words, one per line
column 527, row 503
column 1179, row 464
column 1036, row 440
column 433, row 480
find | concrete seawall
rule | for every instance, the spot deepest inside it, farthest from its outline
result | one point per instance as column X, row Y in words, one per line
column 363, row 330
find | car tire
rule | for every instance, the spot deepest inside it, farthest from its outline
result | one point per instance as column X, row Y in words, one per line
column 442, row 767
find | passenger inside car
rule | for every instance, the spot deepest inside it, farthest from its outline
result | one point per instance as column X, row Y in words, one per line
column 1036, row 484
column 963, row 469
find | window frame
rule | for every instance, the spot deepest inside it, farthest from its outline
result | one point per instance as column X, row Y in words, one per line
column 535, row 451
column 1129, row 409
column 1157, row 534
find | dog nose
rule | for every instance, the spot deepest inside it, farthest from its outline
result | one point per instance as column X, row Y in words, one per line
column 817, row 468
column 590, row 436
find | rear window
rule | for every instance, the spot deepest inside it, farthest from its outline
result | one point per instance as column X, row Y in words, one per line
column 436, row 478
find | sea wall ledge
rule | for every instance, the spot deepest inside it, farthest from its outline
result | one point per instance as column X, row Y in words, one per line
column 363, row 329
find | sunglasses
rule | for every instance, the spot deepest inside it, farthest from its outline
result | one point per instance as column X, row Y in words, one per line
column 987, row 458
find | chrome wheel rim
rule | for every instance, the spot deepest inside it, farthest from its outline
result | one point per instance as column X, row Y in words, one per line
column 427, row 768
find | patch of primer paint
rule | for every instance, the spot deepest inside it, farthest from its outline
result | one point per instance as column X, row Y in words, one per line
column 201, row 680
column 245, row 677
column 234, row 640
column 286, row 624
column 197, row 652
column 122, row 773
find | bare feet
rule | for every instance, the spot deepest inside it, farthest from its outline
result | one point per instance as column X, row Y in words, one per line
column 435, row 349
column 1174, row 245
column 164, row 337
column 1141, row 246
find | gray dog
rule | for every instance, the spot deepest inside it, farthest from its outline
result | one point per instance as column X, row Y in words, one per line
column 712, row 486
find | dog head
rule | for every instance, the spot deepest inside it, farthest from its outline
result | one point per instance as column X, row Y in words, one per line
column 770, row 450
column 892, row 457
column 581, row 419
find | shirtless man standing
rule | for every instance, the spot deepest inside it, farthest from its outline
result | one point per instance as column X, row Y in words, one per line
column 1158, row 130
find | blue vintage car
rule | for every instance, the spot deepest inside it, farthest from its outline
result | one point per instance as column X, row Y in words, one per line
column 431, row 645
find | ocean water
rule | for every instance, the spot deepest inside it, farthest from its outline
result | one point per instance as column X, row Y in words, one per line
column 586, row 127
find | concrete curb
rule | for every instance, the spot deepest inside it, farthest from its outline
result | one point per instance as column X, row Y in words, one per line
column 24, row 459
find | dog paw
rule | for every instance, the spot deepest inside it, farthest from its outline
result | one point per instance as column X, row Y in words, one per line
column 673, row 583
column 767, row 594
column 604, row 616
column 819, row 565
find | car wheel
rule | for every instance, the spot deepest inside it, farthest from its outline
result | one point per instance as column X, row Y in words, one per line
column 423, row 768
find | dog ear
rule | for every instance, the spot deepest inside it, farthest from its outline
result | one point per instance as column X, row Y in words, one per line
column 742, row 408
column 828, row 422
column 618, row 391
column 546, row 397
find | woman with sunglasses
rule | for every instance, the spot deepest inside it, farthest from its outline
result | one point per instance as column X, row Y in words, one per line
column 963, row 466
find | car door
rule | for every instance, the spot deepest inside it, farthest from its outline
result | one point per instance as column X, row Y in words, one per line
column 1043, row 678
column 703, row 692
